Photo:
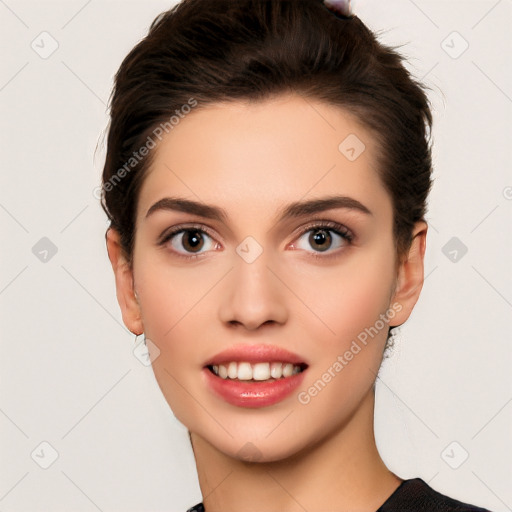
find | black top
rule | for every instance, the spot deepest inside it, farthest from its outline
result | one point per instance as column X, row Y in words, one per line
column 413, row 495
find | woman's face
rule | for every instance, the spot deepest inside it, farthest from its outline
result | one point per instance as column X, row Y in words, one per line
column 264, row 274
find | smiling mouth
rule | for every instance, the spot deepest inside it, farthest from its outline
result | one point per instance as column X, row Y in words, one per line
column 257, row 372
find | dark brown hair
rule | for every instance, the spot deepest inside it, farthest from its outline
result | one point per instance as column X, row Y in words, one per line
column 205, row 51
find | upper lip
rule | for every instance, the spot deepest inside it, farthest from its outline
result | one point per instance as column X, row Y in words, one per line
column 256, row 354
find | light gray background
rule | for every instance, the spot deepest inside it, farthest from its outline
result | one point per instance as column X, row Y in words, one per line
column 68, row 374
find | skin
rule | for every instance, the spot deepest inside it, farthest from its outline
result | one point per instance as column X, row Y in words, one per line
column 252, row 160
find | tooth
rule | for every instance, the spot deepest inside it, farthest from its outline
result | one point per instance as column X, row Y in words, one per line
column 276, row 370
column 244, row 371
column 287, row 370
column 232, row 370
column 258, row 371
column 223, row 371
column 261, row 371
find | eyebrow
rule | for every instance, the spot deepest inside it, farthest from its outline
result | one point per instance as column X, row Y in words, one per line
column 292, row 210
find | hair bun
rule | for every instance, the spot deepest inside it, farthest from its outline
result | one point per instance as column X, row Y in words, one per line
column 340, row 7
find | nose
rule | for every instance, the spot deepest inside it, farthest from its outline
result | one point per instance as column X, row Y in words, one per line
column 253, row 295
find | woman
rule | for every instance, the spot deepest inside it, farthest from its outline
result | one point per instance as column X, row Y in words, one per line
column 267, row 172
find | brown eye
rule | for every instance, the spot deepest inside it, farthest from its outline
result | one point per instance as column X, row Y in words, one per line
column 320, row 239
column 192, row 240
column 324, row 236
column 189, row 242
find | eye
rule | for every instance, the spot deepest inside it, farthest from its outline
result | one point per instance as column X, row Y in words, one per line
column 193, row 241
column 323, row 237
column 189, row 242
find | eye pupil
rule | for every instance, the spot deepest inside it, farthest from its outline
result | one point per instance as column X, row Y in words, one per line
column 320, row 236
column 193, row 240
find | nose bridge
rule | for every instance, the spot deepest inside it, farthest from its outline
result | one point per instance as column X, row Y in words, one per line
column 252, row 294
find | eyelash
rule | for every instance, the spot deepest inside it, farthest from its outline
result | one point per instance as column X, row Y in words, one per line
column 334, row 227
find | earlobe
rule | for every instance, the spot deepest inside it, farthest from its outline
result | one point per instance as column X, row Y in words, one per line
column 410, row 275
column 125, row 292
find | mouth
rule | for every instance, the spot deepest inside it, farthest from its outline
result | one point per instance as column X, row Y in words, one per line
column 246, row 375
column 254, row 375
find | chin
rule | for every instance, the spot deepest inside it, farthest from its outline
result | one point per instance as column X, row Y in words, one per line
column 259, row 451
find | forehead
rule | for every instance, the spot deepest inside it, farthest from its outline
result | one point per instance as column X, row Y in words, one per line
column 256, row 156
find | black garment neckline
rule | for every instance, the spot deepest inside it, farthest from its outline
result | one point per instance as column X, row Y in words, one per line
column 411, row 495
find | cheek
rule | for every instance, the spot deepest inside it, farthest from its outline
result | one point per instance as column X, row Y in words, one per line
column 171, row 299
column 349, row 298
column 347, row 360
column 178, row 306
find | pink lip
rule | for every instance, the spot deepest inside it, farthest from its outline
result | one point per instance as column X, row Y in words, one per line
column 252, row 394
column 255, row 354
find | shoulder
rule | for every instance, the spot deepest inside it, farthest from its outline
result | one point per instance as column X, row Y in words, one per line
column 416, row 495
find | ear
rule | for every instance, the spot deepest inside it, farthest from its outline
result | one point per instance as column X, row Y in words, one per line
column 126, row 298
column 410, row 275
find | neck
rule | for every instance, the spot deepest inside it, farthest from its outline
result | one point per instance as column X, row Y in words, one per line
column 342, row 472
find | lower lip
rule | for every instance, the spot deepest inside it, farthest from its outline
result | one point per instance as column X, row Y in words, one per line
column 253, row 394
